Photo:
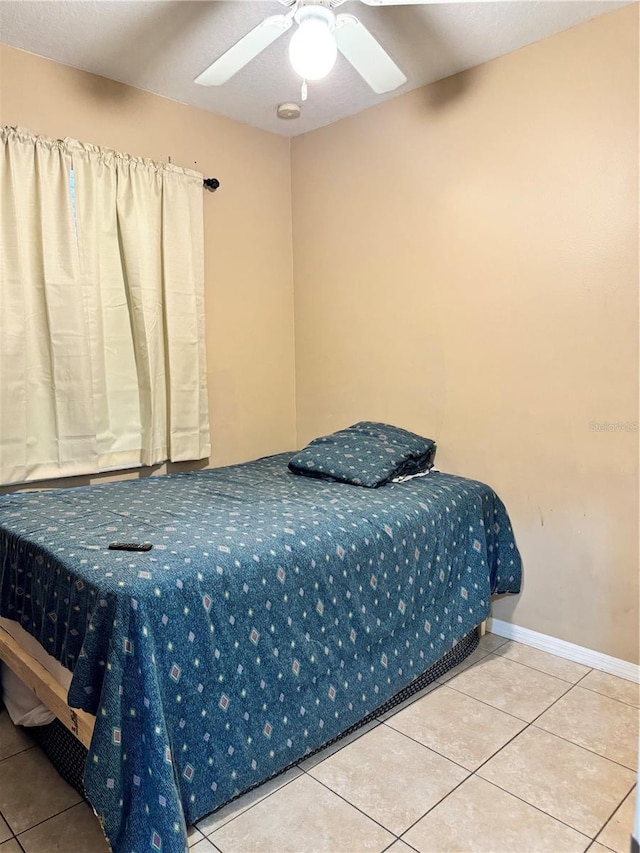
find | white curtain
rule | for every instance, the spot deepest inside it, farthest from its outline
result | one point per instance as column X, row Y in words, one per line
column 102, row 358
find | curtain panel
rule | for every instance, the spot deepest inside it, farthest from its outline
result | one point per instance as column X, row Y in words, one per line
column 102, row 353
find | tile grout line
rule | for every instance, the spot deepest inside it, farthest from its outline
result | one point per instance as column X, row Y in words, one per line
column 606, row 696
column 575, row 683
column 17, row 840
column 580, row 680
column 8, row 825
column 410, row 846
column 482, row 702
column 253, row 805
column 19, row 752
column 555, row 702
column 389, row 846
column 611, row 816
column 435, row 805
column 613, row 698
column 535, row 669
column 15, row 835
column 543, row 671
column 363, row 730
column 430, row 748
column 505, row 640
column 528, row 722
column 357, row 808
column 51, row 817
column 589, row 838
column 586, row 749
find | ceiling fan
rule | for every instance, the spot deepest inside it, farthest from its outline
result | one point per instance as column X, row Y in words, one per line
column 313, row 48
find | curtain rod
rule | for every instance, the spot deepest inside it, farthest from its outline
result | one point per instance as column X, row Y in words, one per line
column 210, row 184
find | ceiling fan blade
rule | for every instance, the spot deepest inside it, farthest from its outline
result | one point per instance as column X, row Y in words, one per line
column 243, row 51
column 367, row 56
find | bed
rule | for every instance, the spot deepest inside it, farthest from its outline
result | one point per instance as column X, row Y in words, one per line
column 273, row 613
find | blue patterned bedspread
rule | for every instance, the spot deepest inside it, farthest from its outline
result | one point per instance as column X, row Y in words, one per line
column 273, row 612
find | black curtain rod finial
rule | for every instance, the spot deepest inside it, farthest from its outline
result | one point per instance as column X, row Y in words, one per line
column 211, row 184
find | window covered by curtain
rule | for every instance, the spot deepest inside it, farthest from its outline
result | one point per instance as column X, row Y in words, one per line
column 102, row 359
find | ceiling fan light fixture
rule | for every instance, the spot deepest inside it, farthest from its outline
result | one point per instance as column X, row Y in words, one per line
column 313, row 49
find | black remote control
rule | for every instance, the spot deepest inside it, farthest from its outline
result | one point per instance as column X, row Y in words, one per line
column 130, row 546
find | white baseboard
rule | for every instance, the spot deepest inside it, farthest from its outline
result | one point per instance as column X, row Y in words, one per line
column 563, row 649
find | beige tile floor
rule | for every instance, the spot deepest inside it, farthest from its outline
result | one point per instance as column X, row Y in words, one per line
column 516, row 751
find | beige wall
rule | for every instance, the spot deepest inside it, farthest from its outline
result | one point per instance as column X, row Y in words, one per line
column 466, row 266
column 248, row 264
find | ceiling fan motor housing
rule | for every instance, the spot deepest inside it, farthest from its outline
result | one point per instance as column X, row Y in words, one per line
column 319, row 9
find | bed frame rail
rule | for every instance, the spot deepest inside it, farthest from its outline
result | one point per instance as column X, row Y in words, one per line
column 46, row 688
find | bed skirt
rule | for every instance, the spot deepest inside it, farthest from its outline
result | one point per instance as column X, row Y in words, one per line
column 68, row 755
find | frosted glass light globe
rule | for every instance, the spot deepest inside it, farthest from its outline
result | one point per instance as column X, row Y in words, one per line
column 313, row 49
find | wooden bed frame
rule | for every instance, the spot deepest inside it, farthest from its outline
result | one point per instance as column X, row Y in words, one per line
column 49, row 692
column 53, row 695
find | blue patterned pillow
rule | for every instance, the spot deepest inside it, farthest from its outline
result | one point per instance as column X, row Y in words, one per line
column 365, row 454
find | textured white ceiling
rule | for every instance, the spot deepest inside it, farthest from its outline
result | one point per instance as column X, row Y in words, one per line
column 163, row 46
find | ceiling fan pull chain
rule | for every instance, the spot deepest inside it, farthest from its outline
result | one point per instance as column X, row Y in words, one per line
column 303, row 91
